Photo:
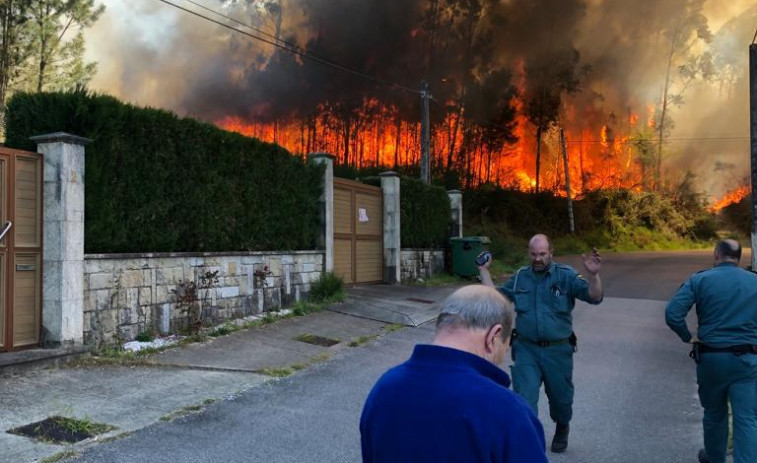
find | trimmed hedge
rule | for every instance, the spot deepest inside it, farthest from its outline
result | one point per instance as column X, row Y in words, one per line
column 159, row 183
column 425, row 214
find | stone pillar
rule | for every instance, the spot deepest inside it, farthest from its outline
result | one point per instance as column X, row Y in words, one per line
column 456, row 204
column 390, row 186
column 326, row 240
column 63, row 225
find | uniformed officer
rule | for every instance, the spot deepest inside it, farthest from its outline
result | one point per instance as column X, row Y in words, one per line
column 544, row 295
column 725, row 348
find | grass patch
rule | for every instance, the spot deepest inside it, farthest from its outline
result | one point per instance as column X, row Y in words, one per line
column 393, row 327
column 291, row 369
column 362, row 340
column 59, row 456
column 61, row 429
column 222, row 330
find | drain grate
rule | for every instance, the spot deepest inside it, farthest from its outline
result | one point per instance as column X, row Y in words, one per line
column 317, row 340
column 60, row 430
column 423, row 301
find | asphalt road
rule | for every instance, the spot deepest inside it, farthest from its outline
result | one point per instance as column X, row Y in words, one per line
column 635, row 389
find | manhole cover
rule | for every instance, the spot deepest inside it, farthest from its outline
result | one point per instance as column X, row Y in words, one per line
column 59, row 430
column 423, row 301
column 317, row 340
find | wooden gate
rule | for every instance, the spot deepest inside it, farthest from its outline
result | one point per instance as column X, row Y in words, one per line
column 358, row 232
column 20, row 249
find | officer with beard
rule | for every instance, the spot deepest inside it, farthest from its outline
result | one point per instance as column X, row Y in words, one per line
column 544, row 294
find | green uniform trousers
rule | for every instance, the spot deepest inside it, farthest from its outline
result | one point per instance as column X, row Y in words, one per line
column 552, row 365
column 723, row 378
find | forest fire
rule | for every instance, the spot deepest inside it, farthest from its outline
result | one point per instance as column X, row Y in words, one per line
column 598, row 158
column 732, row 197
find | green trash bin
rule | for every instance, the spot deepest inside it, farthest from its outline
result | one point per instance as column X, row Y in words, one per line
column 464, row 252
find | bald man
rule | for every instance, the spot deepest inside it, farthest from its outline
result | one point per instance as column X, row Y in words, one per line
column 450, row 401
column 544, row 294
column 725, row 351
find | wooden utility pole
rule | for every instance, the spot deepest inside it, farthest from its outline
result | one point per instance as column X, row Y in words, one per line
column 753, row 127
column 567, row 180
column 425, row 134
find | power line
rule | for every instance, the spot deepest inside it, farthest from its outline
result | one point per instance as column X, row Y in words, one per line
column 296, row 50
column 260, row 31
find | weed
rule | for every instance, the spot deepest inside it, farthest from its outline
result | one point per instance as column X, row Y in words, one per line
column 393, row 327
column 291, row 369
column 60, row 456
column 222, row 330
column 146, row 336
column 325, row 287
column 362, row 340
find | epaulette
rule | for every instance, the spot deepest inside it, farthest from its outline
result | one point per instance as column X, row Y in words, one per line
column 565, row 267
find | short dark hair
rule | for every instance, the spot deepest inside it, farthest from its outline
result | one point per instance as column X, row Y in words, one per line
column 729, row 248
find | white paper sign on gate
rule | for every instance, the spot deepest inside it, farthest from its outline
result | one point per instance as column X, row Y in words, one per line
column 362, row 215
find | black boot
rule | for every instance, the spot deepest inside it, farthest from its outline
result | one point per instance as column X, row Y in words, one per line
column 560, row 441
column 703, row 457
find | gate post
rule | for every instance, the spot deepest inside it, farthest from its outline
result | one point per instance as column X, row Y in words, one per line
column 326, row 240
column 63, row 238
column 456, row 204
column 390, row 186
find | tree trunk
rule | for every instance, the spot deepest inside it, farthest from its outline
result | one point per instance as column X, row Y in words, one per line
column 538, row 155
column 666, row 88
column 397, row 142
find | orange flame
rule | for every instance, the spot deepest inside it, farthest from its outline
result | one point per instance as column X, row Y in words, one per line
column 732, row 197
column 598, row 157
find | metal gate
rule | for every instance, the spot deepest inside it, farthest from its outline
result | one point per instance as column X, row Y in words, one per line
column 20, row 249
column 358, row 232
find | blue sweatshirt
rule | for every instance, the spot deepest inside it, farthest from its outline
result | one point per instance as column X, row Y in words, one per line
column 447, row 405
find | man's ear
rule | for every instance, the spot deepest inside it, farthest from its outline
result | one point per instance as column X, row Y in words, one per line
column 491, row 335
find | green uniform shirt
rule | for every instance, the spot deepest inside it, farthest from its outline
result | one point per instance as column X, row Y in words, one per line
column 726, row 300
column 544, row 301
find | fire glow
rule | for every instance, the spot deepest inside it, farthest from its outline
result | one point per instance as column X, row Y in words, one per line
column 732, row 197
column 599, row 158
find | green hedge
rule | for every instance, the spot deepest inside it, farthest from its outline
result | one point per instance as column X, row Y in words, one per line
column 159, row 183
column 425, row 214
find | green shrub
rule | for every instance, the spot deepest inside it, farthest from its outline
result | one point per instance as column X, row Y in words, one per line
column 146, row 336
column 157, row 182
column 326, row 287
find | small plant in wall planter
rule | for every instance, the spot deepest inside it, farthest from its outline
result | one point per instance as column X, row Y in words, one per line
column 261, row 276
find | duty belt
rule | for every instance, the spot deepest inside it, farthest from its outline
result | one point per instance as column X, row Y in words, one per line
column 557, row 342
column 740, row 349
column 698, row 348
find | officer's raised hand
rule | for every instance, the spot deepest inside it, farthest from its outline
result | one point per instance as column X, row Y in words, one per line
column 592, row 265
column 592, row 262
column 483, row 261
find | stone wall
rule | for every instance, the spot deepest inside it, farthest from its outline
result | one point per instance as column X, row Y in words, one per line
column 421, row 263
column 125, row 294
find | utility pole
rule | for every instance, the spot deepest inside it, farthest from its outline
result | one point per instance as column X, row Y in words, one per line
column 567, row 180
column 425, row 134
column 753, row 127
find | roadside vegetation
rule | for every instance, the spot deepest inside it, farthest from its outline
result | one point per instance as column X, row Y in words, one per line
column 327, row 290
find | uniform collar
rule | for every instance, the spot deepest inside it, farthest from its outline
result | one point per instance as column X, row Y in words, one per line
column 446, row 357
column 727, row 264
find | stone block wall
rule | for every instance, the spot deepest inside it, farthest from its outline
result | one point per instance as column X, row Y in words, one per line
column 125, row 294
column 421, row 263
